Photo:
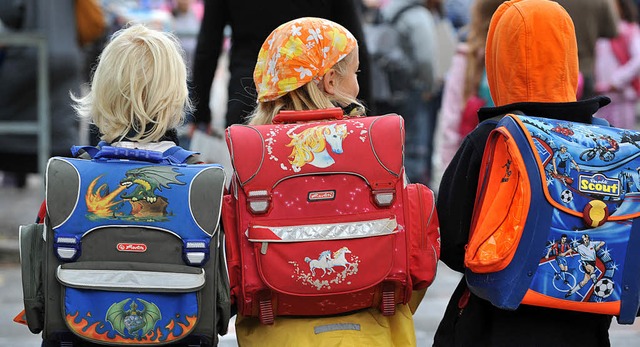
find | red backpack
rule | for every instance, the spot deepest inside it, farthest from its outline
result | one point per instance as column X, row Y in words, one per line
column 320, row 220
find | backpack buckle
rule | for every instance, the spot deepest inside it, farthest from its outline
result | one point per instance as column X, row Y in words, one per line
column 384, row 197
column 258, row 201
column 265, row 308
column 388, row 302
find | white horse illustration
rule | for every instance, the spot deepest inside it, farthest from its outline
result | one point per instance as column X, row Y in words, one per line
column 339, row 259
column 321, row 263
column 310, row 146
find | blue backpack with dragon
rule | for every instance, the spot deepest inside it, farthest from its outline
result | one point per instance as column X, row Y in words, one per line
column 130, row 252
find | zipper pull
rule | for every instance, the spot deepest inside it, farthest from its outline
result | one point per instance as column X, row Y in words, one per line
column 263, row 249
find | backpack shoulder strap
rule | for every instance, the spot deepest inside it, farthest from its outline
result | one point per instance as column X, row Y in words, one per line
column 400, row 12
column 87, row 152
column 178, row 155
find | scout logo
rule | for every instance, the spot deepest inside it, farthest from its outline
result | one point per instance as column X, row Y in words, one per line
column 321, row 195
column 599, row 184
column 132, row 247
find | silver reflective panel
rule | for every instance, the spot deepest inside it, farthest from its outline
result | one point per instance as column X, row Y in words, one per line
column 332, row 231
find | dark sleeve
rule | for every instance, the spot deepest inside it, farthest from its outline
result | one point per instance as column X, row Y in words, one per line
column 205, row 63
column 349, row 14
column 456, row 197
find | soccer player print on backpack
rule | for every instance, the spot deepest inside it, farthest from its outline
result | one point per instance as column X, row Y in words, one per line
column 574, row 263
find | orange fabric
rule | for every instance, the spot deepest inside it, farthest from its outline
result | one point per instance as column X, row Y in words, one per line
column 536, row 299
column 493, row 243
column 523, row 67
column 21, row 318
column 297, row 52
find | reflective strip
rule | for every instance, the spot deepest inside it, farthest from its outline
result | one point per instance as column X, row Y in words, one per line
column 330, row 231
column 119, row 279
column 336, row 327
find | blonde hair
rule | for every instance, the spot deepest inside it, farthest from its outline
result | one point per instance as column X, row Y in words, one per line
column 139, row 86
column 308, row 97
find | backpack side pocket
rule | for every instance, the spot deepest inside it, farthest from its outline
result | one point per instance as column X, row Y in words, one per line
column 31, row 254
column 502, row 204
column 423, row 231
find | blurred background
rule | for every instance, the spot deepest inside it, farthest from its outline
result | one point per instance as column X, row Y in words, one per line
column 44, row 57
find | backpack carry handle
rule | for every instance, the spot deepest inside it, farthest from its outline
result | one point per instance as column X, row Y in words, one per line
column 109, row 152
column 307, row 116
column 173, row 155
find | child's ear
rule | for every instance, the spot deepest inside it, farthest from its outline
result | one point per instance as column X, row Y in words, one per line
column 329, row 82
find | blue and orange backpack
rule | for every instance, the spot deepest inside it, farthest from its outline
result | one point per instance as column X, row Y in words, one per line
column 570, row 235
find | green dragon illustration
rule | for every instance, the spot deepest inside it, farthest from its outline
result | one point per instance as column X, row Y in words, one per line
column 148, row 179
column 134, row 320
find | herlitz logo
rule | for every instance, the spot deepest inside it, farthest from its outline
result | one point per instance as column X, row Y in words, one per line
column 132, row 247
column 322, row 195
column 599, row 184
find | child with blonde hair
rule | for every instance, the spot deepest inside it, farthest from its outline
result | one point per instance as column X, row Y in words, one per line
column 138, row 95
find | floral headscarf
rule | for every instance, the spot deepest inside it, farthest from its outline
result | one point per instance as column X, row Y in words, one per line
column 298, row 52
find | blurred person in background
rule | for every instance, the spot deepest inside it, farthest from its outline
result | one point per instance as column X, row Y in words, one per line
column 55, row 20
column 465, row 90
column 593, row 19
column 416, row 25
column 185, row 23
column 458, row 12
column 250, row 23
column 447, row 42
column 617, row 68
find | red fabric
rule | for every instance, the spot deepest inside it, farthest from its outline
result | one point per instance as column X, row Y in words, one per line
column 42, row 212
column 469, row 119
column 424, row 234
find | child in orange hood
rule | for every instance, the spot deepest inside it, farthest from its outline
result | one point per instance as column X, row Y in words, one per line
column 532, row 68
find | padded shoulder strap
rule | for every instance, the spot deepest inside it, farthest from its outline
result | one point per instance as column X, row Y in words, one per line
column 177, row 155
column 400, row 12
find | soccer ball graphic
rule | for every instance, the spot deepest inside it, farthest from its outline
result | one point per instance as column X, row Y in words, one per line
column 566, row 196
column 603, row 288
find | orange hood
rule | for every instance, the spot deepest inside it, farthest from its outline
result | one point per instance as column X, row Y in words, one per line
column 531, row 53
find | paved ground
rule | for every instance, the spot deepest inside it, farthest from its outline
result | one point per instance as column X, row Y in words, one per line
column 20, row 206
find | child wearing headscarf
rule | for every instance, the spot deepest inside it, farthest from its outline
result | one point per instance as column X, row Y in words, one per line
column 308, row 64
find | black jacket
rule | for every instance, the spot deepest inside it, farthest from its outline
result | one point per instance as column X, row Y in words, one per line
column 251, row 22
column 469, row 320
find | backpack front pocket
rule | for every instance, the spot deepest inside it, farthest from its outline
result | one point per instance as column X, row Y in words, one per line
column 326, row 260
column 135, row 304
